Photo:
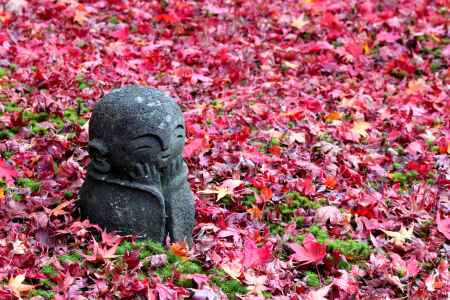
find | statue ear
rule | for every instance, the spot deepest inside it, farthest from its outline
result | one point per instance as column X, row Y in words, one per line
column 99, row 153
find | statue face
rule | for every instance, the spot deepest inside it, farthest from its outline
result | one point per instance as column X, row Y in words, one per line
column 135, row 125
column 153, row 150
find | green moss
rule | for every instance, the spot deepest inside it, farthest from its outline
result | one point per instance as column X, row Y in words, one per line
column 3, row 72
column 37, row 129
column 12, row 107
column 71, row 115
column 312, row 279
column 344, row 265
column 38, row 117
column 68, row 194
column 150, row 248
column 320, row 235
column 70, row 257
column 435, row 66
column 396, row 166
column 123, row 247
column 300, row 238
column 189, row 267
column 351, row 249
column 46, row 283
column 186, row 283
column 231, row 287
column 299, row 221
column 49, row 270
column 249, row 200
column 41, row 293
column 295, row 200
column 405, row 179
column 114, row 20
column 17, row 197
column 164, row 272
column 276, row 229
column 141, row 276
column 82, row 83
column 33, row 185
column 59, row 123
column 7, row 133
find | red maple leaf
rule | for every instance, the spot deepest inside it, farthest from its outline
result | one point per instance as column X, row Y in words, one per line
column 7, row 172
column 443, row 225
column 254, row 256
column 312, row 252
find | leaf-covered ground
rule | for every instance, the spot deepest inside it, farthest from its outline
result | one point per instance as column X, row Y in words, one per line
column 318, row 146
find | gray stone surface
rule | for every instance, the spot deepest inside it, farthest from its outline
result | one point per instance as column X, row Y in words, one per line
column 137, row 179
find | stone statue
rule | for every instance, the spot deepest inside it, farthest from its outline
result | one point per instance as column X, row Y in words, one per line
column 137, row 179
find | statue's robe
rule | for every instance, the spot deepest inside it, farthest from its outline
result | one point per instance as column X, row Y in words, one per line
column 130, row 207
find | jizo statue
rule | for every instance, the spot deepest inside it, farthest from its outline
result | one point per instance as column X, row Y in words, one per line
column 137, row 180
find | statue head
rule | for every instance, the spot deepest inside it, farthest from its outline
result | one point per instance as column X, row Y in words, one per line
column 134, row 125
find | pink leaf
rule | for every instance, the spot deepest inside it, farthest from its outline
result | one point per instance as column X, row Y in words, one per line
column 443, row 225
column 254, row 256
column 7, row 172
column 331, row 213
column 121, row 34
column 311, row 252
column 389, row 37
column 195, row 147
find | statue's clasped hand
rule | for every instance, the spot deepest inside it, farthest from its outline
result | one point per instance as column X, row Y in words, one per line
column 147, row 174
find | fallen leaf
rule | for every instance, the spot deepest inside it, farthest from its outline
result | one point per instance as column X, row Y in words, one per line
column 401, row 236
column 7, row 172
column 81, row 15
column 311, row 252
column 329, row 213
column 255, row 256
column 16, row 285
column 180, row 249
column 224, row 190
column 59, row 210
column 333, row 116
column 255, row 213
column 255, row 283
column 299, row 22
column 232, row 268
column 16, row 6
column 443, row 225
column 319, row 294
column 360, row 128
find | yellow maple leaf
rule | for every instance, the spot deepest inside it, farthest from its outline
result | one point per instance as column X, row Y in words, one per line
column 81, row 15
column 225, row 189
column 232, row 268
column 289, row 65
column 255, row 213
column 416, row 86
column 16, row 285
column 333, row 116
column 401, row 236
column 360, row 128
column 299, row 22
column 366, row 48
column 255, row 283
column 221, row 193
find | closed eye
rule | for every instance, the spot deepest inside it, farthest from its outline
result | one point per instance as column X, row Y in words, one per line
column 143, row 148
